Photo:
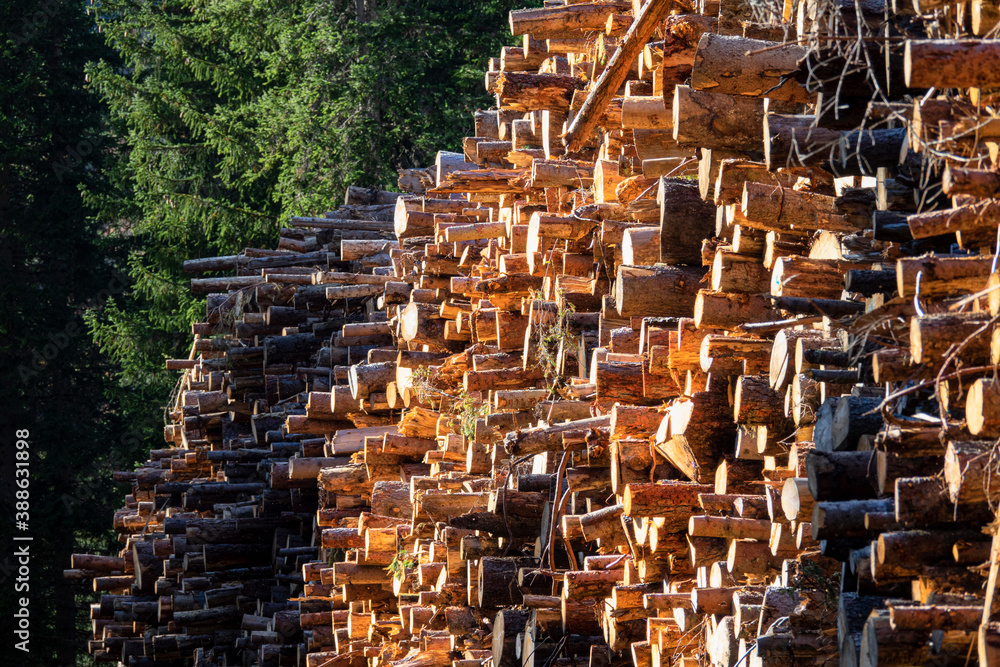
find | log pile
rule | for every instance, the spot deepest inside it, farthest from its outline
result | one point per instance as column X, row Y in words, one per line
column 687, row 359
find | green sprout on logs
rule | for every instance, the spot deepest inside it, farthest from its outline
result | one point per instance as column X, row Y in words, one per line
column 465, row 408
column 401, row 562
column 552, row 337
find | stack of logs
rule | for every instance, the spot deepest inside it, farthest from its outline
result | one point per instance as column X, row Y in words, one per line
column 688, row 359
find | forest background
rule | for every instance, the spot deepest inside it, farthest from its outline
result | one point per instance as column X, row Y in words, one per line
column 135, row 135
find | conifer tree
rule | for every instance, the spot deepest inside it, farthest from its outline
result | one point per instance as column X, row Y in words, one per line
column 236, row 114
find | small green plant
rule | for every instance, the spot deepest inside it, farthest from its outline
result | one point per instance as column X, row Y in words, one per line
column 421, row 379
column 469, row 409
column 401, row 562
column 811, row 577
column 552, row 337
column 465, row 408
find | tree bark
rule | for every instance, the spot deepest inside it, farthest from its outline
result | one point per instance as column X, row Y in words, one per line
column 716, row 121
column 948, row 63
column 685, row 219
column 660, row 291
column 763, row 71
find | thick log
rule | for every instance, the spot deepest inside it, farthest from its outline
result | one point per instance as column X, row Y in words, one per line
column 782, row 363
column 641, row 246
column 647, row 500
column 657, row 291
column 970, row 475
column 421, row 325
column 951, row 63
column 702, row 430
column 913, row 549
column 791, row 141
column 501, row 378
column 796, row 276
column 733, row 272
column 549, row 438
column 779, row 209
column 729, row 528
column 561, row 173
column 411, row 222
column 685, row 219
column 556, row 22
column 755, row 402
column 982, row 408
column 935, row 617
column 720, row 352
column 646, row 113
column 716, row 121
column 754, row 558
column 507, row 625
column 853, row 417
column 933, row 337
column 542, row 225
column 498, row 582
column 975, row 182
column 941, row 277
column 729, row 310
column 764, row 68
column 841, row 475
column 980, row 217
column 525, row 91
column 796, row 500
column 604, row 525
column 729, row 182
column 357, row 250
column 619, row 381
column 364, row 379
column 832, row 520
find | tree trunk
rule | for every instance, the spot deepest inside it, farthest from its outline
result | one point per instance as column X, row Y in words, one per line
column 555, row 22
column 982, row 408
column 730, row 311
column 685, row 219
column 933, row 337
column 732, row 272
column 949, row 63
column 780, row 209
column 717, row 121
column 941, row 277
column 660, row 291
column 764, row 68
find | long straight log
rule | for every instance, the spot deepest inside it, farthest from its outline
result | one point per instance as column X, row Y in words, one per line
column 952, row 63
column 549, row 438
column 979, row 217
column 555, row 22
column 615, row 73
column 763, row 72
